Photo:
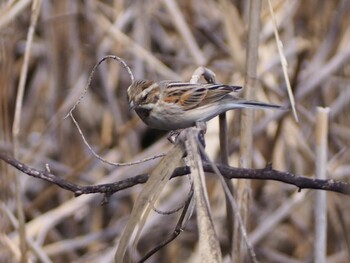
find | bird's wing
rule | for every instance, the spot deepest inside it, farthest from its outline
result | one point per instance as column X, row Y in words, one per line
column 191, row 95
column 186, row 95
column 216, row 92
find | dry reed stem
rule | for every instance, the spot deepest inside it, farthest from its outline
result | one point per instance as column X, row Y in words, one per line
column 243, row 191
column 208, row 247
column 146, row 200
column 283, row 62
column 230, row 201
column 321, row 130
column 16, row 127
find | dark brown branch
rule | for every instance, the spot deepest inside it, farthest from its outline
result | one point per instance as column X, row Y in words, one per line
column 266, row 173
column 107, row 189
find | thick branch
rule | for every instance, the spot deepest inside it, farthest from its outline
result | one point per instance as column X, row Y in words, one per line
column 266, row 173
column 107, row 189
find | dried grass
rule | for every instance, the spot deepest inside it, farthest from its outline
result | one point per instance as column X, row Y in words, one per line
column 159, row 41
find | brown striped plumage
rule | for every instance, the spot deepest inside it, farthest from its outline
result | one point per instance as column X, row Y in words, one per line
column 172, row 105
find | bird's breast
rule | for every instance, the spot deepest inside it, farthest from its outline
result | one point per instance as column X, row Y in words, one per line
column 143, row 113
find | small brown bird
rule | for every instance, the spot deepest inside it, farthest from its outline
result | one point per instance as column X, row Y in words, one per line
column 173, row 105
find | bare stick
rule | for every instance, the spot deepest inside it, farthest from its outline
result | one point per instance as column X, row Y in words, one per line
column 320, row 246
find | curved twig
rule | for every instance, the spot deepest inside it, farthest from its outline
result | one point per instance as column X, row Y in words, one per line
column 92, row 76
column 70, row 114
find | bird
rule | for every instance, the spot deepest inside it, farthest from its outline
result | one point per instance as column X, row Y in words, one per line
column 174, row 105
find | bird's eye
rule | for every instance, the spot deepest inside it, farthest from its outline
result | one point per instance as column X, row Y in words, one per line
column 145, row 97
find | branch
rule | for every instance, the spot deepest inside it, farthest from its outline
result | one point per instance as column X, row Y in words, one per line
column 107, row 189
column 228, row 172
column 267, row 173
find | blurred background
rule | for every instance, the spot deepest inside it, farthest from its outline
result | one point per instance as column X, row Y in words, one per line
column 166, row 39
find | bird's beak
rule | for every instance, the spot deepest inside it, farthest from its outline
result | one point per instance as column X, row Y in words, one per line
column 132, row 106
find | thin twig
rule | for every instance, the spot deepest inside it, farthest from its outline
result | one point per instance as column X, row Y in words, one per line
column 92, row 75
column 104, row 160
column 70, row 114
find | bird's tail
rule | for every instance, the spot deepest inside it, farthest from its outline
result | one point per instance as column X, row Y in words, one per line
column 260, row 105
